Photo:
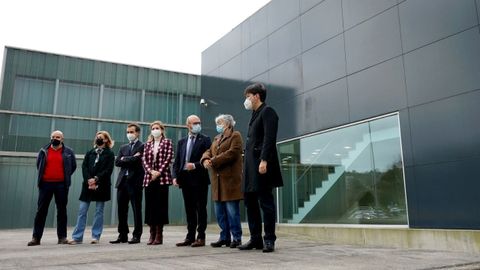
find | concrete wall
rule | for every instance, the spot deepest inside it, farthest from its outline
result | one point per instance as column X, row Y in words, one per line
column 388, row 236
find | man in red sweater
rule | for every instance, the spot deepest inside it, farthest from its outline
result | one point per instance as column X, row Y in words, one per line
column 56, row 164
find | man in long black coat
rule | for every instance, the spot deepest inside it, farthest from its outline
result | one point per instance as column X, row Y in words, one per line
column 261, row 172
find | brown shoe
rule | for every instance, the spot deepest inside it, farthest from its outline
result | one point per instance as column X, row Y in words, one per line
column 62, row 241
column 34, row 242
column 198, row 243
column 153, row 232
column 184, row 243
column 158, row 236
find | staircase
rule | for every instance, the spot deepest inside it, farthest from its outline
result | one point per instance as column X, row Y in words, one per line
column 345, row 163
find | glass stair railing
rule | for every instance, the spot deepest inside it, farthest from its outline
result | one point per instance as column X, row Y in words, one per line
column 307, row 203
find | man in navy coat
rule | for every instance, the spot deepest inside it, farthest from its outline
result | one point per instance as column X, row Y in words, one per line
column 190, row 175
column 261, row 171
column 129, row 185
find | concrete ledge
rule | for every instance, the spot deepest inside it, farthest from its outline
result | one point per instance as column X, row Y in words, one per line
column 388, row 236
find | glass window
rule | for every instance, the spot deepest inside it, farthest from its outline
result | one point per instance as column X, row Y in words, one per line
column 79, row 134
column 121, row 104
column 190, row 106
column 78, row 100
column 350, row 175
column 33, row 95
column 24, row 133
column 117, row 132
column 161, row 106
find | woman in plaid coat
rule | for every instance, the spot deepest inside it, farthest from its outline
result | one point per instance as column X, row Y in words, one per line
column 157, row 157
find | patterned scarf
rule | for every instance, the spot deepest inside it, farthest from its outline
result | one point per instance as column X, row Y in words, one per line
column 99, row 151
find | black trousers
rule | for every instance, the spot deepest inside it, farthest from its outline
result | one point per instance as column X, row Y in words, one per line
column 254, row 201
column 126, row 193
column 46, row 192
column 156, row 204
column 195, row 200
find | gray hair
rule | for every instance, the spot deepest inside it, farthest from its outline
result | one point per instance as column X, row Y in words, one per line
column 227, row 118
column 190, row 118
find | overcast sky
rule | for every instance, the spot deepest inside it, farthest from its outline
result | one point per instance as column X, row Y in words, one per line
column 163, row 34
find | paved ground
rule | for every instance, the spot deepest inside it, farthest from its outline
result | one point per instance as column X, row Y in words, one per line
column 293, row 252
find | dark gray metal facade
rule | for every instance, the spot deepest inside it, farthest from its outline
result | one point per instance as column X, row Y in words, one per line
column 333, row 62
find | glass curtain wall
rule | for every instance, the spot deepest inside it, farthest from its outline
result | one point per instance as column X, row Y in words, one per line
column 350, row 175
column 42, row 92
column 87, row 105
column 78, row 109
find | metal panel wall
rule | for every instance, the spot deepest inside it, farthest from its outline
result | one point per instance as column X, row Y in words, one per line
column 359, row 60
column 19, row 194
column 35, row 64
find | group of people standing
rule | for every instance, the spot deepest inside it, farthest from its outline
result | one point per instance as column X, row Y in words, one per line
column 149, row 167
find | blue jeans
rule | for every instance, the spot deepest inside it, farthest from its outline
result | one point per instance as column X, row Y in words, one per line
column 228, row 218
column 97, row 227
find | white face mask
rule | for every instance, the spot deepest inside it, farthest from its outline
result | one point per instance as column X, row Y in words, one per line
column 220, row 129
column 131, row 137
column 156, row 133
column 248, row 104
column 196, row 128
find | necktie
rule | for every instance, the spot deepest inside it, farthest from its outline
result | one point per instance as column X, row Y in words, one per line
column 189, row 148
column 131, row 147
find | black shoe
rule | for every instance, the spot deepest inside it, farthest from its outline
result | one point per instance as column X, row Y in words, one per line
column 119, row 240
column 220, row 243
column 251, row 245
column 269, row 247
column 235, row 244
column 34, row 242
column 135, row 240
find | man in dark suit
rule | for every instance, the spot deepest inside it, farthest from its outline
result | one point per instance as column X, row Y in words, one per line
column 129, row 185
column 193, row 179
column 261, row 171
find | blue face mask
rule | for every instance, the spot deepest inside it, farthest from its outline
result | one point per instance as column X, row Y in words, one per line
column 196, row 128
column 220, row 129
